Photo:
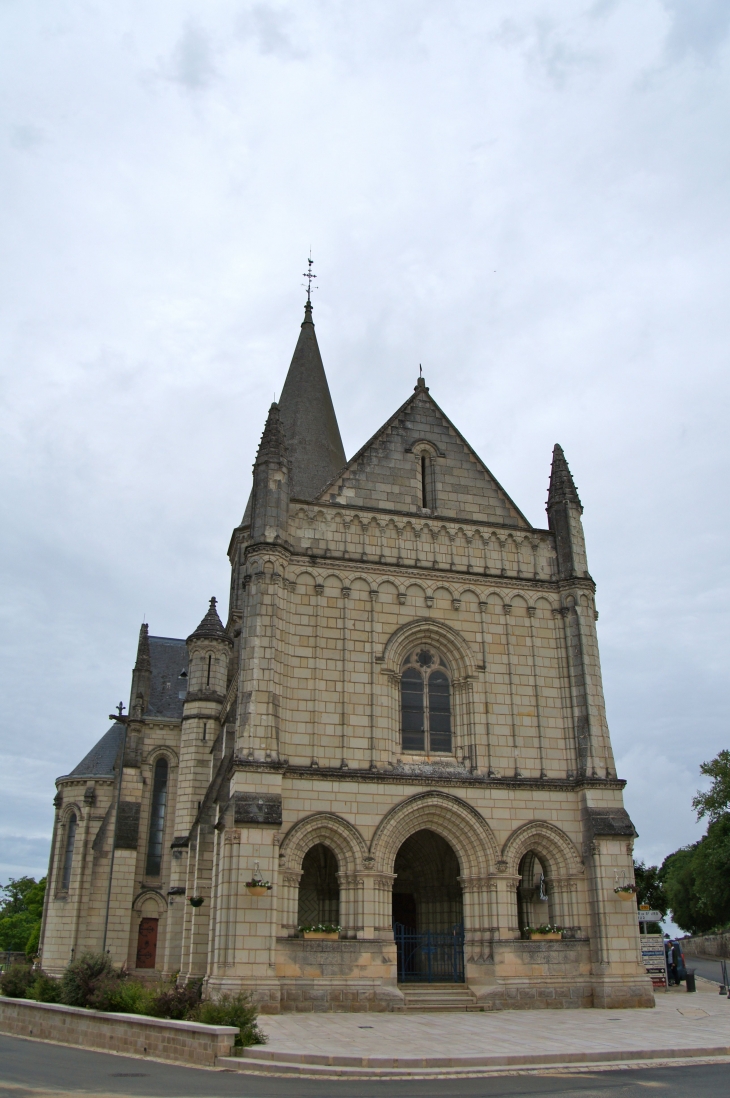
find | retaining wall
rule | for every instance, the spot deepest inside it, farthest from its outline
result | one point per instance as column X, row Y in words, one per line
column 131, row 1034
column 707, row 945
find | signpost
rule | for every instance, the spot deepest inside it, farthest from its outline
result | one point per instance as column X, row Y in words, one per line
column 650, row 916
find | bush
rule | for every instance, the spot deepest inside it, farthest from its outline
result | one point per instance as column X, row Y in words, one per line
column 117, row 994
column 44, row 989
column 231, row 1010
column 174, row 1002
column 84, row 977
column 15, row 981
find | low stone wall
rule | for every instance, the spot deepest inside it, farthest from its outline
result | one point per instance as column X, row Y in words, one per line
column 345, row 975
column 131, row 1034
column 707, row 945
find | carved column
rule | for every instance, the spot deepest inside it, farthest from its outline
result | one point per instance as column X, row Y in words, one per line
column 506, row 901
column 289, row 901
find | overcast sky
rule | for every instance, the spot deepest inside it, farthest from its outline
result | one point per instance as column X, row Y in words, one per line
column 530, row 197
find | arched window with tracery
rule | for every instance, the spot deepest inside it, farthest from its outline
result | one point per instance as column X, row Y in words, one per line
column 425, row 690
column 157, row 818
column 68, row 851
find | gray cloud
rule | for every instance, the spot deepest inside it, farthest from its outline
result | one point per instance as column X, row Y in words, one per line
column 192, row 58
column 548, row 235
column 698, row 27
column 272, row 29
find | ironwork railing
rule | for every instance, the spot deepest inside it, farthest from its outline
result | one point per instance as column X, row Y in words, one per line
column 430, row 956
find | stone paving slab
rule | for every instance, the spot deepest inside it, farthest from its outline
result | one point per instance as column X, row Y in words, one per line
column 681, row 1026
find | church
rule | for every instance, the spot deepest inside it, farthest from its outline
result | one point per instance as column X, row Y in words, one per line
column 368, row 785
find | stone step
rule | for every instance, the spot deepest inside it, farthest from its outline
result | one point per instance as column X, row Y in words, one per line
column 437, row 997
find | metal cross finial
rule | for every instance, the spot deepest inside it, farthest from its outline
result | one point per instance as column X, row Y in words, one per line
column 120, row 709
column 309, row 276
column 420, row 370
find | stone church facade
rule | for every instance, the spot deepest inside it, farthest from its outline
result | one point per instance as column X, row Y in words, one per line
column 400, row 729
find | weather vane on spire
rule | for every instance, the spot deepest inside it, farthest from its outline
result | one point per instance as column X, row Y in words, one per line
column 309, row 276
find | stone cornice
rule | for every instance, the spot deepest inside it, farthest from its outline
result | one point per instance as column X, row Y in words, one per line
column 442, row 574
column 397, row 777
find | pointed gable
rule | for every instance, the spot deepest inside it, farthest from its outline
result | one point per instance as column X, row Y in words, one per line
column 386, row 474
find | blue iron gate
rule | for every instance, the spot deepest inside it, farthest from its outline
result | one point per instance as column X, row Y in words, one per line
column 430, row 957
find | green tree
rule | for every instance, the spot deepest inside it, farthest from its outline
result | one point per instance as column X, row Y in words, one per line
column 21, row 910
column 716, row 802
column 650, row 890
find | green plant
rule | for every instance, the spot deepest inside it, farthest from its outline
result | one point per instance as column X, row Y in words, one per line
column 15, row 981
column 176, row 1002
column 254, row 883
column 122, row 996
column 84, row 976
column 44, row 989
column 196, row 901
column 627, row 888
column 231, row 1010
column 320, row 928
column 546, row 928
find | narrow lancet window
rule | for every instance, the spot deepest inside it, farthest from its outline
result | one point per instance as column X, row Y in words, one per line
column 210, row 660
column 424, row 481
column 425, row 688
column 68, row 853
column 157, row 819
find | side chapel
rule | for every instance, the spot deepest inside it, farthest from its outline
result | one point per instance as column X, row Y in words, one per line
column 398, row 731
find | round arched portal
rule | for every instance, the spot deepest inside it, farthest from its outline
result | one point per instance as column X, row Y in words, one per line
column 319, row 889
column 428, row 910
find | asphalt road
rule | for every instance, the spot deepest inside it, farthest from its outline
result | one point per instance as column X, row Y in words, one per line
column 709, row 969
column 31, row 1069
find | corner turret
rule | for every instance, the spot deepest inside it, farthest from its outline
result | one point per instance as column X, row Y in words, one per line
column 139, row 694
column 564, row 511
column 270, row 495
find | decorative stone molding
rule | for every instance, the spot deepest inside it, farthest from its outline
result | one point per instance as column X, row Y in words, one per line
column 456, row 821
column 552, row 846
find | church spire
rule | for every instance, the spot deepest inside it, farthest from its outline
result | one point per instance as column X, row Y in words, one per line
column 308, row 417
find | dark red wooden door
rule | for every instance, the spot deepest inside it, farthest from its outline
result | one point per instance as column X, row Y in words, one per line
column 147, row 943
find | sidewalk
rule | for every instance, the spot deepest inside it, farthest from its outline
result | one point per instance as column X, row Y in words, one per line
column 682, row 1026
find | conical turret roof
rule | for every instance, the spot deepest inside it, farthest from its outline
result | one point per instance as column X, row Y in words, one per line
column 562, row 486
column 315, row 449
column 211, row 627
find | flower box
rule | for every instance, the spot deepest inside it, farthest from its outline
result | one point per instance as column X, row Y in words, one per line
column 321, row 935
column 552, row 936
column 257, row 890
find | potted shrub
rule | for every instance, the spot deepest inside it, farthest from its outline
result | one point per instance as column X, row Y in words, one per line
column 545, row 933
column 625, row 892
column 327, row 932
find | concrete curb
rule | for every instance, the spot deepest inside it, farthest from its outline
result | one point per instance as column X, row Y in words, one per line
column 259, row 1061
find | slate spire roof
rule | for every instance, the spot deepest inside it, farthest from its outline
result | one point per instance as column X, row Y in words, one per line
column 314, row 445
column 211, row 627
column 562, row 486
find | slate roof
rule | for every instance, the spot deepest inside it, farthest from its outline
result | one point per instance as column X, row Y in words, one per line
column 169, row 657
column 308, row 421
column 99, row 763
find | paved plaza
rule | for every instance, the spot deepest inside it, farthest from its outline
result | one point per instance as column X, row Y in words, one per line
column 681, row 1026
